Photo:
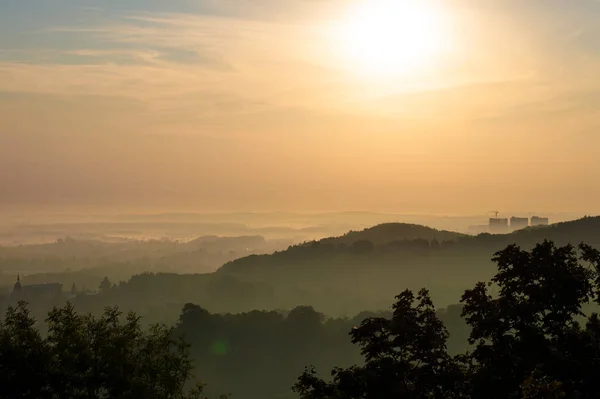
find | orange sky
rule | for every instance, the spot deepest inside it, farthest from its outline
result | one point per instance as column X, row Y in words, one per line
column 231, row 106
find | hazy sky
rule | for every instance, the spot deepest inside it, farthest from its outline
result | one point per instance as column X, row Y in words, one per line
column 219, row 105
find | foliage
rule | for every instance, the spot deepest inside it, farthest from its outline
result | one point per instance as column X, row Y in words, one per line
column 405, row 357
column 278, row 345
column 105, row 285
column 91, row 357
column 532, row 328
column 259, row 354
column 328, row 274
column 528, row 339
column 332, row 272
column 531, row 333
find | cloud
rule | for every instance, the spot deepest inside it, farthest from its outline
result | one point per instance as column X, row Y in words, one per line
column 262, row 68
column 194, row 96
column 192, row 72
column 258, row 52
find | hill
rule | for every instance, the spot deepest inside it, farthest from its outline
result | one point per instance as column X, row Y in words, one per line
column 391, row 232
column 576, row 231
column 388, row 235
column 367, row 267
column 86, row 262
column 339, row 275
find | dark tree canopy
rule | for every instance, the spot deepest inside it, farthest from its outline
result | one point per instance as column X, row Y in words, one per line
column 530, row 335
column 529, row 338
column 531, row 330
column 105, row 285
column 91, row 357
column 405, row 357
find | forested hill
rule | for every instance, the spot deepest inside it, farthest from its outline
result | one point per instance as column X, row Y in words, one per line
column 366, row 267
column 86, row 262
column 390, row 232
column 384, row 235
column 339, row 276
column 400, row 235
column 585, row 230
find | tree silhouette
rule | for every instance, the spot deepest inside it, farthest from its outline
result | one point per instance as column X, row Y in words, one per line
column 405, row 357
column 530, row 333
column 91, row 357
column 105, row 285
column 528, row 339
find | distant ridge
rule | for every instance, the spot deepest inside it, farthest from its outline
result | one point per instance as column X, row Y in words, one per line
column 390, row 232
column 586, row 229
column 227, row 243
column 387, row 234
column 392, row 235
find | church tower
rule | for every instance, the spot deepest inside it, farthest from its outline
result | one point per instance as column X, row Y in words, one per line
column 17, row 289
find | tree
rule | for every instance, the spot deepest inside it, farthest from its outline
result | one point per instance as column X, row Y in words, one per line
column 91, row 357
column 528, row 339
column 23, row 356
column 105, row 285
column 361, row 247
column 405, row 357
column 538, row 386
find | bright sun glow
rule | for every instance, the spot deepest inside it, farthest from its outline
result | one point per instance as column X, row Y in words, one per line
column 391, row 37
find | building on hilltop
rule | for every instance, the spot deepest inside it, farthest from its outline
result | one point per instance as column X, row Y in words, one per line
column 498, row 225
column 36, row 292
column 517, row 223
column 539, row 221
column 18, row 288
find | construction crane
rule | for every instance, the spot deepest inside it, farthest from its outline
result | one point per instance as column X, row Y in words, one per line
column 495, row 213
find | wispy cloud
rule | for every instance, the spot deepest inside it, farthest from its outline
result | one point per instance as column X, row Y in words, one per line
column 233, row 58
column 243, row 98
column 184, row 67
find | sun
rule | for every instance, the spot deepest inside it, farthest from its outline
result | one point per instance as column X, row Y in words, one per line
column 391, row 37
